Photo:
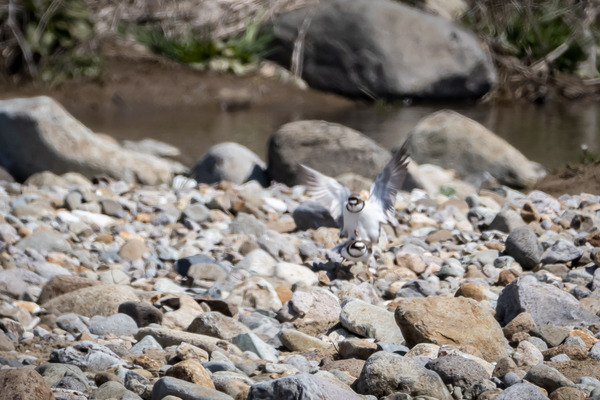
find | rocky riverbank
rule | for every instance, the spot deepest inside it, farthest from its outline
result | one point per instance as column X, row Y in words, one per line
column 123, row 281
column 121, row 290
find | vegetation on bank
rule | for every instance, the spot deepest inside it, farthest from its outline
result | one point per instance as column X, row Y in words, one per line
column 198, row 49
column 540, row 47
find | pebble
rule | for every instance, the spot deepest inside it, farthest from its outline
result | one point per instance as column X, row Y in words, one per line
column 228, row 291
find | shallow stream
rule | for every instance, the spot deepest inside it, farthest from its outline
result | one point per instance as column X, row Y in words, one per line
column 550, row 134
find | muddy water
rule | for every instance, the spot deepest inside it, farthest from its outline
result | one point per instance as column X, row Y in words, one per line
column 549, row 134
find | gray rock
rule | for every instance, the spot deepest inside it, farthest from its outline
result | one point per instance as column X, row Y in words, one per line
column 147, row 342
column 561, row 251
column 522, row 245
column 14, row 282
column 196, row 212
column 251, row 342
column 112, row 207
column 217, row 325
column 595, row 351
column 300, row 362
column 457, row 370
column 8, row 234
column 546, row 303
column 439, row 139
column 72, row 323
column 313, row 311
column 230, row 162
column 312, row 215
column 264, row 327
column 300, row 387
column 331, row 149
column 553, row 334
column 113, row 390
column 506, row 221
column 117, row 324
column 544, row 202
column 38, row 135
column 43, row 240
column 54, row 373
column 114, row 276
column 511, row 378
column 247, row 224
column 521, row 391
column 386, row 373
column 49, row 270
column 87, row 355
column 168, row 386
column 547, row 377
column 142, row 313
column 385, row 49
column 370, row 321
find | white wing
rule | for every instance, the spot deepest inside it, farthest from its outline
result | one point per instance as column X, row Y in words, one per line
column 326, row 191
column 389, row 181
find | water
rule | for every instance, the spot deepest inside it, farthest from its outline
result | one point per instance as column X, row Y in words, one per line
column 550, row 134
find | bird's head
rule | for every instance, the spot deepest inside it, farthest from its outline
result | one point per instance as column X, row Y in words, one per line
column 358, row 248
column 355, row 203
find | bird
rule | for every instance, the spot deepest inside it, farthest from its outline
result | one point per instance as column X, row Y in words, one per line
column 357, row 215
column 355, row 250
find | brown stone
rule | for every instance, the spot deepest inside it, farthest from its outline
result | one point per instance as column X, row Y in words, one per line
column 504, row 366
column 593, row 238
column 471, row 290
column 106, row 299
column 474, row 272
column 133, row 249
column 529, row 212
column 567, row 393
column 411, row 261
column 356, row 348
column 23, row 383
column 521, row 323
column 506, row 276
column 102, row 377
column 5, row 343
column 61, row 284
column 489, row 394
column 191, row 371
column 588, row 339
column 351, row 366
column 441, row 235
column 443, row 320
column 574, row 369
column 284, row 293
column 574, row 352
column 143, row 361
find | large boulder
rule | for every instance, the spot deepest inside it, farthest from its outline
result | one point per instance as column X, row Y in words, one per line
column 231, row 162
column 381, row 48
column 330, row 148
column 451, row 140
column 386, row 373
column 38, row 134
column 442, row 320
column 547, row 304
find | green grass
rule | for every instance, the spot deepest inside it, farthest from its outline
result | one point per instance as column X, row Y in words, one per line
column 247, row 47
column 57, row 40
column 531, row 29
